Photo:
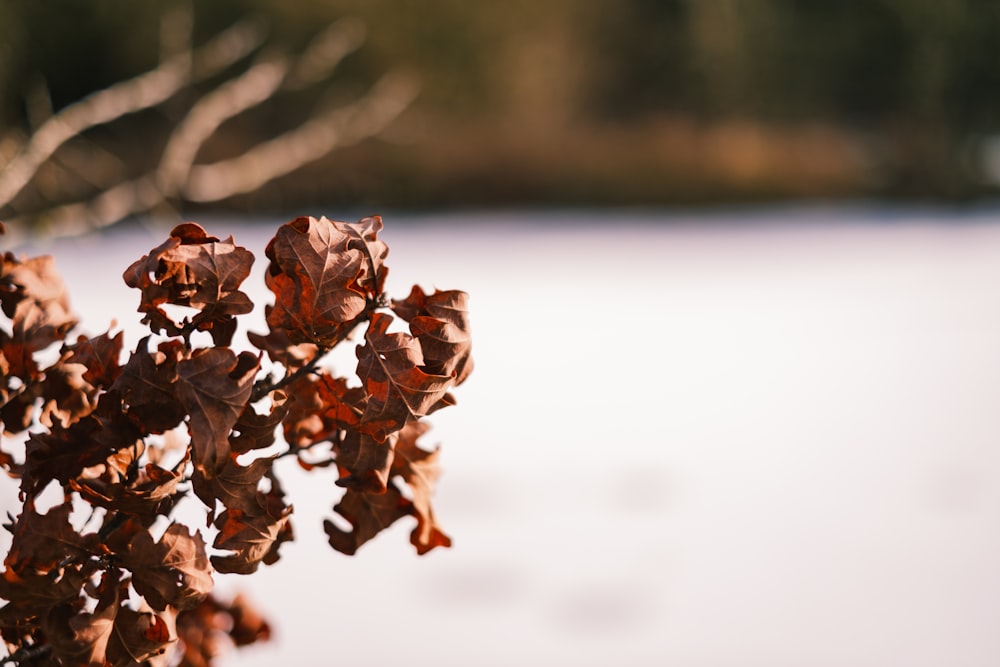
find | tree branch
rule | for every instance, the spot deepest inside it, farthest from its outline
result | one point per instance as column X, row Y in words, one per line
column 142, row 92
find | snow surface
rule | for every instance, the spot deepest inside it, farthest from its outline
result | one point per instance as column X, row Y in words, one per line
column 733, row 439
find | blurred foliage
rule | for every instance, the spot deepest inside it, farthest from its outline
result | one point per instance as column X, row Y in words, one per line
column 601, row 101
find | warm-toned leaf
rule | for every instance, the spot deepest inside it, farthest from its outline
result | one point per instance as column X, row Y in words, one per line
column 175, row 570
column 146, row 386
column 322, row 277
column 368, row 514
column 278, row 346
column 18, row 359
column 81, row 639
column 100, row 356
column 66, row 395
column 252, row 539
column 33, row 296
column 42, row 541
column 364, row 462
column 257, row 431
column 320, row 405
column 420, row 470
column 31, row 594
column 137, row 637
column 236, row 486
column 151, row 493
column 389, row 365
column 214, row 387
column 203, row 630
column 64, row 452
column 440, row 321
column 193, row 269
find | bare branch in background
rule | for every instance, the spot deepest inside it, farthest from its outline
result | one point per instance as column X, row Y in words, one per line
column 308, row 142
column 233, row 97
column 142, row 92
column 177, row 178
column 325, row 52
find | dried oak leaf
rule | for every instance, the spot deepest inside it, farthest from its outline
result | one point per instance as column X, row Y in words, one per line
column 252, row 538
column 30, row 594
column 323, row 274
column 214, row 386
column 66, row 395
column 420, row 470
column 257, row 431
column 41, row 541
column 146, row 386
column 364, row 462
column 174, row 571
column 64, row 452
column 33, row 296
column 193, row 269
column 138, row 637
column 236, row 486
column 111, row 636
column 389, row 366
column 278, row 346
column 440, row 321
column 99, row 355
column 368, row 514
column 319, row 406
column 151, row 494
column 202, row 631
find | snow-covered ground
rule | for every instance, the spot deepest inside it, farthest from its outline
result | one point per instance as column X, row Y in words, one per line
column 759, row 438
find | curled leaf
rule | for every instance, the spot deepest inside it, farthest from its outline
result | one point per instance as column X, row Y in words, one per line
column 323, row 274
column 368, row 514
column 33, row 296
column 196, row 270
column 389, row 365
column 173, row 571
column 420, row 470
column 440, row 321
column 214, row 386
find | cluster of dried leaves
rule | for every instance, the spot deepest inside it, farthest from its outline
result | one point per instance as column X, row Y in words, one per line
column 119, row 582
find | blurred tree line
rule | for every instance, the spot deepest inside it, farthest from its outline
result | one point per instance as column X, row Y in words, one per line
column 600, row 101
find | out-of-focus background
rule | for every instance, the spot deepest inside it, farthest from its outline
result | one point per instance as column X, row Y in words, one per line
column 604, row 102
column 735, row 292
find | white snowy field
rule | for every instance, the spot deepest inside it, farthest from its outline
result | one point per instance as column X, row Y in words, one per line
column 763, row 438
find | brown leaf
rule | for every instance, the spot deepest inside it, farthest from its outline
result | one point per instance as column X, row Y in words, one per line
column 66, row 395
column 389, row 366
column 100, row 356
column 193, row 269
column 202, row 630
column 252, row 539
column 440, row 322
column 42, row 541
column 82, row 638
column 279, row 346
column 214, row 386
column 236, row 486
column 64, row 452
column 31, row 594
column 364, row 462
column 323, row 274
column 420, row 470
column 146, row 386
column 173, row 571
column 320, row 405
column 152, row 493
column 257, row 431
column 111, row 636
column 368, row 514
column 33, row 295
column 137, row 637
